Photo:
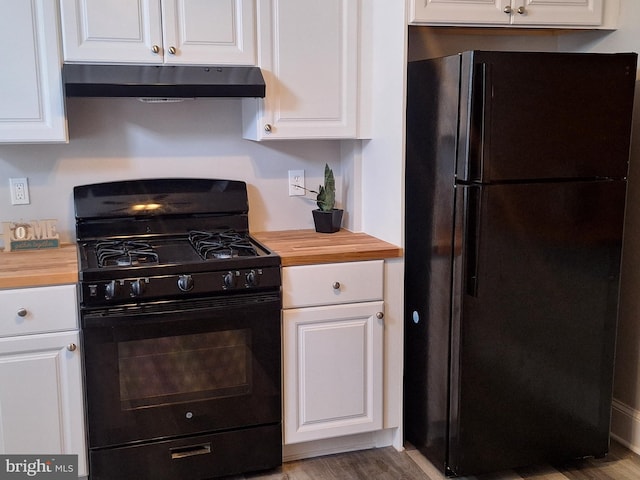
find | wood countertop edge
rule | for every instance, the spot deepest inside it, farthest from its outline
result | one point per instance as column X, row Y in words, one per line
column 306, row 247
column 34, row 281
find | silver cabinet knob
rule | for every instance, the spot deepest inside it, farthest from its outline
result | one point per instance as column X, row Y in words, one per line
column 380, row 315
column 507, row 9
column 267, row 127
column 22, row 312
column 172, row 50
column 72, row 347
column 522, row 10
column 155, row 49
column 336, row 285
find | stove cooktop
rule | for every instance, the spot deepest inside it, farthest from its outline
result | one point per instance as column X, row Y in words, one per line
column 116, row 271
column 115, row 258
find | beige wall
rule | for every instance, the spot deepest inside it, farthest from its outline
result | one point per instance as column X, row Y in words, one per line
column 113, row 139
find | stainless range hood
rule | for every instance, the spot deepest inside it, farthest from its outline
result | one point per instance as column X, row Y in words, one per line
column 163, row 81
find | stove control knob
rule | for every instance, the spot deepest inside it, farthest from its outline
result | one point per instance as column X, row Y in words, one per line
column 252, row 279
column 185, row 283
column 229, row 280
column 111, row 290
column 137, row 287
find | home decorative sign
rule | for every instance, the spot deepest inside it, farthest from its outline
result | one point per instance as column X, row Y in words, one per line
column 33, row 235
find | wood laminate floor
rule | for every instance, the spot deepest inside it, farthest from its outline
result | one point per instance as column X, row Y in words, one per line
column 389, row 464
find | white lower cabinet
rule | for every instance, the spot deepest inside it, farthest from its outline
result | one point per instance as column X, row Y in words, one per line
column 333, row 352
column 41, row 400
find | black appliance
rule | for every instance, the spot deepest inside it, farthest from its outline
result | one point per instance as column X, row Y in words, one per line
column 180, row 323
column 175, row 81
column 516, row 167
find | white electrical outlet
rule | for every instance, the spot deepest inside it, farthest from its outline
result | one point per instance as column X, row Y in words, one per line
column 19, row 191
column 296, row 182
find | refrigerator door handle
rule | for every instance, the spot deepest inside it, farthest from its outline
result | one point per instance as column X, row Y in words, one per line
column 480, row 107
column 473, row 200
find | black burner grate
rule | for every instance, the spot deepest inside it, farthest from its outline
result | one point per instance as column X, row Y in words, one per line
column 220, row 245
column 125, row 253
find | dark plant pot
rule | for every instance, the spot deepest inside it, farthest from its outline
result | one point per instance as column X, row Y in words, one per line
column 327, row 222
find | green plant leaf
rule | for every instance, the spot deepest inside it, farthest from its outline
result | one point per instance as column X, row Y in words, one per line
column 329, row 190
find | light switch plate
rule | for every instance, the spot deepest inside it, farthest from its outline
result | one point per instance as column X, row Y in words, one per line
column 296, row 183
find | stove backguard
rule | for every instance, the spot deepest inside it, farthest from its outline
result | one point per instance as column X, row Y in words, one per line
column 159, row 206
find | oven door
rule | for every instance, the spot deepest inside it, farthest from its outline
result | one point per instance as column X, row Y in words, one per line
column 177, row 368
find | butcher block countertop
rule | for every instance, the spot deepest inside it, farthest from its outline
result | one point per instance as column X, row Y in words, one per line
column 306, row 247
column 55, row 266
column 36, row 268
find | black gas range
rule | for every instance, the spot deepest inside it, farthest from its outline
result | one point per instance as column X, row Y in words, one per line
column 180, row 315
column 168, row 238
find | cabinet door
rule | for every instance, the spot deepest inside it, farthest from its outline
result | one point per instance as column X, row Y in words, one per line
column 206, row 32
column 565, row 13
column 159, row 31
column 105, row 31
column 309, row 57
column 31, row 100
column 460, row 11
column 41, row 407
column 332, row 371
column 557, row 12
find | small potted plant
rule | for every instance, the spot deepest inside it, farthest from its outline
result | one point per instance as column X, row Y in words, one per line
column 326, row 217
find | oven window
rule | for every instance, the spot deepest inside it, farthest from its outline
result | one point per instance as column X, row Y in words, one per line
column 185, row 368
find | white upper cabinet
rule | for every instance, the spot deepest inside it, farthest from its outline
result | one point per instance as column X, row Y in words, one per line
column 31, row 99
column 195, row 32
column 525, row 13
column 308, row 54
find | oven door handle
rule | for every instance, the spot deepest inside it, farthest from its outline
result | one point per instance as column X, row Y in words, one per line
column 190, row 451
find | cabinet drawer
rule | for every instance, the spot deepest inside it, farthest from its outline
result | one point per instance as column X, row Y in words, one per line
column 44, row 309
column 332, row 283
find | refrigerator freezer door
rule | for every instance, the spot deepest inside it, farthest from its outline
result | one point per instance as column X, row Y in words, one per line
column 528, row 115
column 533, row 343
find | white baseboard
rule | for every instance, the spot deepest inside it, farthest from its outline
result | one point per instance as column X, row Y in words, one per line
column 349, row 443
column 625, row 425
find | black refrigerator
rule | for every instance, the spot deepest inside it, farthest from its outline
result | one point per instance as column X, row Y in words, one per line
column 516, row 166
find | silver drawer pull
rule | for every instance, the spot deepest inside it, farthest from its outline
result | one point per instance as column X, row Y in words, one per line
column 22, row 312
column 379, row 315
column 336, row 285
column 72, row 347
column 190, row 451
